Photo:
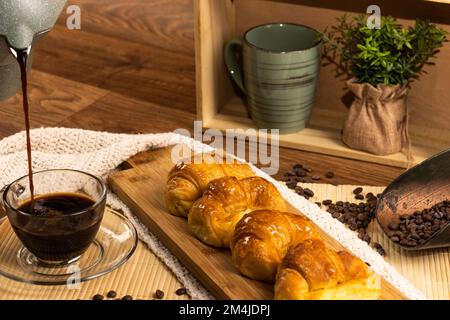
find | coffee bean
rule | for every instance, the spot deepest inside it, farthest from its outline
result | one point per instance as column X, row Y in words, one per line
column 316, row 178
column 159, row 294
column 327, row 202
column 307, row 168
column 299, row 189
column 381, row 252
column 415, row 236
column 329, row 174
column 111, row 294
column 359, row 197
column 411, row 243
column 376, row 245
column 318, row 204
column 379, row 248
column 336, row 215
column 290, row 173
column 370, row 195
column 438, row 215
column 358, row 190
column 127, row 297
column 361, row 217
column 393, row 226
column 300, row 173
column 291, row 184
column 435, row 228
column 98, row 297
column 181, row 291
column 308, row 192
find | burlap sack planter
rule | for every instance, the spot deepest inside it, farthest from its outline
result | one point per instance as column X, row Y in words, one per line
column 378, row 119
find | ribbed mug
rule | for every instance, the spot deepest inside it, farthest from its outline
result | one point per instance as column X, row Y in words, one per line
column 279, row 74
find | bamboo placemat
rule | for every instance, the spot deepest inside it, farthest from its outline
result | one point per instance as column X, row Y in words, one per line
column 144, row 273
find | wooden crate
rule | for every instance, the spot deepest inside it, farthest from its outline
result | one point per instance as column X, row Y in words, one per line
column 220, row 105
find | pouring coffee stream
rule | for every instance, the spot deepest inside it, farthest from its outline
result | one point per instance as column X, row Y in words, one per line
column 22, row 58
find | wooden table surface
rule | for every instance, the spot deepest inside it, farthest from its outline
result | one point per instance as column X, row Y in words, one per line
column 131, row 69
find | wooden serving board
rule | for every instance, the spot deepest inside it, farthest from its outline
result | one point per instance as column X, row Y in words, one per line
column 141, row 185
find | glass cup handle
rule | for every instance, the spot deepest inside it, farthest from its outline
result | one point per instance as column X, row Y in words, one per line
column 2, row 206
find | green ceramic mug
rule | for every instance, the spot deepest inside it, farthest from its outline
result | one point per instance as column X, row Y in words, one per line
column 280, row 70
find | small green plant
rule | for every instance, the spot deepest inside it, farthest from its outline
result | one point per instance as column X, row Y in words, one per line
column 390, row 55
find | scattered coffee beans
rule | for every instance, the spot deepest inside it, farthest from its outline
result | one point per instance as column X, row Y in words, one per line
column 415, row 229
column 159, row 294
column 181, row 291
column 304, row 192
column 356, row 216
column 111, row 294
column 302, row 173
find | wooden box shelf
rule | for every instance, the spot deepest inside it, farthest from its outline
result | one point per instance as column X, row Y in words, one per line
column 219, row 104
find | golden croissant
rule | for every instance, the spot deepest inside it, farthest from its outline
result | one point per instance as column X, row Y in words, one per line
column 186, row 182
column 225, row 201
column 310, row 271
column 263, row 238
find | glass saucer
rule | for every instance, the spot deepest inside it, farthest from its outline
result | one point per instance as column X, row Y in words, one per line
column 114, row 244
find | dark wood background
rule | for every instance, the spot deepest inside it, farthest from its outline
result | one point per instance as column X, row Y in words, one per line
column 131, row 69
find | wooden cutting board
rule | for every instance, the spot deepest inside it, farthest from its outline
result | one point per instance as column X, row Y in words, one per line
column 141, row 185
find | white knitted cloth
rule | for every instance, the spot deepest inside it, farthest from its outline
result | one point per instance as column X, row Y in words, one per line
column 100, row 153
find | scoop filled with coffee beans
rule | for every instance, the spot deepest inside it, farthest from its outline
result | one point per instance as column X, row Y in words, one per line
column 414, row 210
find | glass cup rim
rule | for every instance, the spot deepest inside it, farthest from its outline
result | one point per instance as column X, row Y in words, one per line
column 284, row 24
column 98, row 202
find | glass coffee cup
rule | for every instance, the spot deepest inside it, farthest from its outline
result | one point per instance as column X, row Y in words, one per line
column 64, row 218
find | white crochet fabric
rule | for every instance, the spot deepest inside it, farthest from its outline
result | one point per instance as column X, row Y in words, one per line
column 100, row 153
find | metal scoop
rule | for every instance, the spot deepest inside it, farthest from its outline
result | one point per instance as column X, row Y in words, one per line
column 419, row 188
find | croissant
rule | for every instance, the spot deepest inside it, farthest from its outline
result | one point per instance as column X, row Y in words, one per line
column 213, row 217
column 186, row 182
column 310, row 271
column 262, row 239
